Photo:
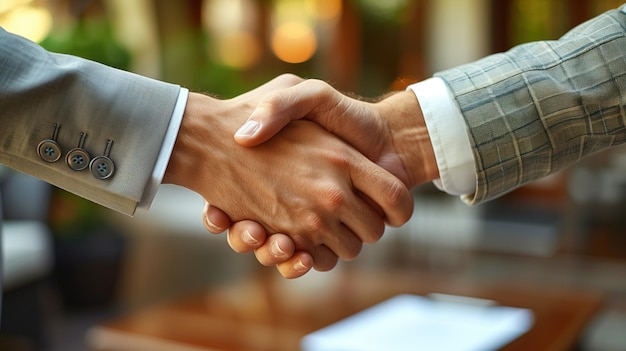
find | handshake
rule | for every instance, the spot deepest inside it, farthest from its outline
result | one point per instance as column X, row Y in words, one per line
column 299, row 173
column 303, row 175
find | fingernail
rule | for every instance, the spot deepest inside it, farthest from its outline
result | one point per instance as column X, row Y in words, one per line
column 248, row 238
column 248, row 129
column 210, row 224
column 299, row 266
column 276, row 250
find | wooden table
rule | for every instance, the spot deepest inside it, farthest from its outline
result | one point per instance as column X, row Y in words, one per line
column 270, row 313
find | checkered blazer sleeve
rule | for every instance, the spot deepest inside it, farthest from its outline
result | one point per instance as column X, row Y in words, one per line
column 545, row 105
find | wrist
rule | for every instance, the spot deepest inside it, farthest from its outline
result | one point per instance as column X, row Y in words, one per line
column 410, row 136
column 187, row 153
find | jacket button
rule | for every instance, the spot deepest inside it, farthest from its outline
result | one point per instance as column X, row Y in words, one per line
column 49, row 150
column 102, row 167
column 78, row 158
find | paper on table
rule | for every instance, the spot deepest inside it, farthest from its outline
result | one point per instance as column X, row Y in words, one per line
column 409, row 322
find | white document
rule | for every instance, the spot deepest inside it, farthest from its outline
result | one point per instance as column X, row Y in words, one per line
column 409, row 322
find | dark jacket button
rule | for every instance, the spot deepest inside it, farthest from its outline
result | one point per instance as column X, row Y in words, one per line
column 49, row 150
column 102, row 167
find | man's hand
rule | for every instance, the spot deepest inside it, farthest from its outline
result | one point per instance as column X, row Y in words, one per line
column 391, row 132
column 305, row 182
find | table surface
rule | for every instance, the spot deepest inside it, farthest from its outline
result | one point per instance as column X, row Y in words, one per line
column 266, row 312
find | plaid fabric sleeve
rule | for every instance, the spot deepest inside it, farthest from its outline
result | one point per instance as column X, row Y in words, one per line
column 543, row 106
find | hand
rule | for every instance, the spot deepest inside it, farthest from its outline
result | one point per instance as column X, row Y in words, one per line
column 305, row 182
column 391, row 132
column 277, row 249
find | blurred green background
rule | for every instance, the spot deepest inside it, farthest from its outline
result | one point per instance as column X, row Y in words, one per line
column 226, row 47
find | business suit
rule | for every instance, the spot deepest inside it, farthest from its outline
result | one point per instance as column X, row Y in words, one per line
column 52, row 105
column 543, row 106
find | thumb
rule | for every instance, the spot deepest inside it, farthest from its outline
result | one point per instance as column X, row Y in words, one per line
column 262, row 125
column 275, row 111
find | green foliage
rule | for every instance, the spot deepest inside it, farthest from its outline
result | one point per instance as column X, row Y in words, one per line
column 92, row 40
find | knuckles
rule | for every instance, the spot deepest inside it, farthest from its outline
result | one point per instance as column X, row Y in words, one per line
column 334, row 197
column 313, row 222
column 289, row 79
column 317, row 85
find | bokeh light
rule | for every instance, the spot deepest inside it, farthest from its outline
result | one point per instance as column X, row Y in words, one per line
column 326, row 10
column 293, row 38
column 28, row 20
column 238, row 49
column 233, row 27
column 294, row 42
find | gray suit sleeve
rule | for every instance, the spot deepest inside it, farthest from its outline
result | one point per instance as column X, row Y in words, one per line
column 127, row 112
column 543, row 106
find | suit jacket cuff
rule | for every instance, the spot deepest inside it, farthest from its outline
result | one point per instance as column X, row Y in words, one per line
column 166, row 151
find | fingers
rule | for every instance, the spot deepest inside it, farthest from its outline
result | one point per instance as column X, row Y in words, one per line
column 276, row 249
column 247, row 236
column 386, row 190
column 341, row 221
column 295, row 264
column 324, row 259
column 361, row 218
column 214, row 219
column 298, row 265
column 279, row 108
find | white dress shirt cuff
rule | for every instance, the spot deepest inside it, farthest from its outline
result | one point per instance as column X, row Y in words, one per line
column 165, row 153
column 448, row 135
